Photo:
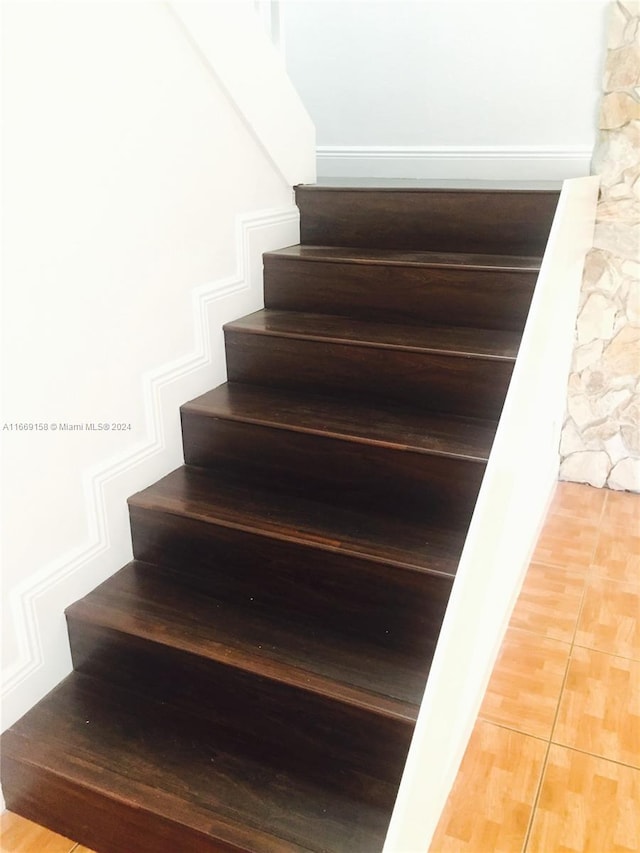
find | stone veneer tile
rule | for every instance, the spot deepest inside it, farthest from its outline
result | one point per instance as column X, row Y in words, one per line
column 601, row 438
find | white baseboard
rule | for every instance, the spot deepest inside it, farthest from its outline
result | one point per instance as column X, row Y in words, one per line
column 454, row 162
column 37, row 604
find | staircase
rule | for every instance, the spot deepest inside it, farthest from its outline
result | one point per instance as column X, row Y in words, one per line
column 250, row 682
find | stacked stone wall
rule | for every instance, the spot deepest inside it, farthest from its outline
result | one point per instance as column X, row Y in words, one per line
column 600, row 441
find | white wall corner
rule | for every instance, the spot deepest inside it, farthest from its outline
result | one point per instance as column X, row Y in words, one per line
column 504, row 163
column 232, row 43
column 37, row 604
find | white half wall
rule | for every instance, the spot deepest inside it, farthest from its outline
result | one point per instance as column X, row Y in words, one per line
column 138, row 199
column 519, row 481
column 432, row 88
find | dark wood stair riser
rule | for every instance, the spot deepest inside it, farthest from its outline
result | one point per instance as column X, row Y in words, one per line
column 109, row 823
column 493, row 222
column 400, row 607
column 257, row 714
column 472, row 387
column 400, row 294
column 335, row 470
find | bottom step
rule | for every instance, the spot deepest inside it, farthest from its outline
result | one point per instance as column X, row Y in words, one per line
column 122, row 774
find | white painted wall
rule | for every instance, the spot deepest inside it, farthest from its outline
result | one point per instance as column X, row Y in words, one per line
column 449, row 88
column 138, row 197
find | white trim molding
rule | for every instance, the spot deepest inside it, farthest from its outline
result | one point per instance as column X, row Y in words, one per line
column 492, row 162
column 37, row 605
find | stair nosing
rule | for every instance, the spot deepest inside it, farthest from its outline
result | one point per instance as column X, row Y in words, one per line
column 307, row 681
column 236, row 327
column 373, row 189
column 307, row 542
column 190, row 409
column 533, row 269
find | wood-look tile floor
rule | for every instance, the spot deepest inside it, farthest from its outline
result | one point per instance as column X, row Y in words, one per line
column 553, row 765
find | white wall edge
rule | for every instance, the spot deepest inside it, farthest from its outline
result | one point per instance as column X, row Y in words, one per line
column 454, row 162
column 37, row 605
column 510, row 510
column 234, row 47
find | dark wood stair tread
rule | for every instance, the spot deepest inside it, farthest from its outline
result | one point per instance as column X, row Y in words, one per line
column 399, row 257
column 219, row 499
column 371, row 422
column 465, row 342
column 113, row 754
column 144, row 601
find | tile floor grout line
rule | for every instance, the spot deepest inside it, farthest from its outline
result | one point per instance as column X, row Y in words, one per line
column 595, row 574
column 603, row 652
column 542, row 636
column 508, row 728
column 635, row 767
column 536, row 799
column 586, row 577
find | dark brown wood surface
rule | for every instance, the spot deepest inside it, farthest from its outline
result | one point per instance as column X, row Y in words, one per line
column 444, row 372
column 342, row 468
column 126, row 774
column 427, row 545
column 362, row 420
column 470, row 221
column 250, row 682
column 365, row 597
column 145, row 604
column 402, row 287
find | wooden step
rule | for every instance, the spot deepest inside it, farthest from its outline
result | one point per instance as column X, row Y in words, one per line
column 395, row 286
column 367, row 573
column 461, row 371
column 350, row 453
column 495, row 222
column 362, row 421
column 231, row 502
column 121, row 772
column 143, row 606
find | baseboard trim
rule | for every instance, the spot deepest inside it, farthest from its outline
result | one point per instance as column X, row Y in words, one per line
column 454, row 162
column 37, row 604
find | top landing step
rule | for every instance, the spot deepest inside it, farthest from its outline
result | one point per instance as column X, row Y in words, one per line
column 465, row 217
